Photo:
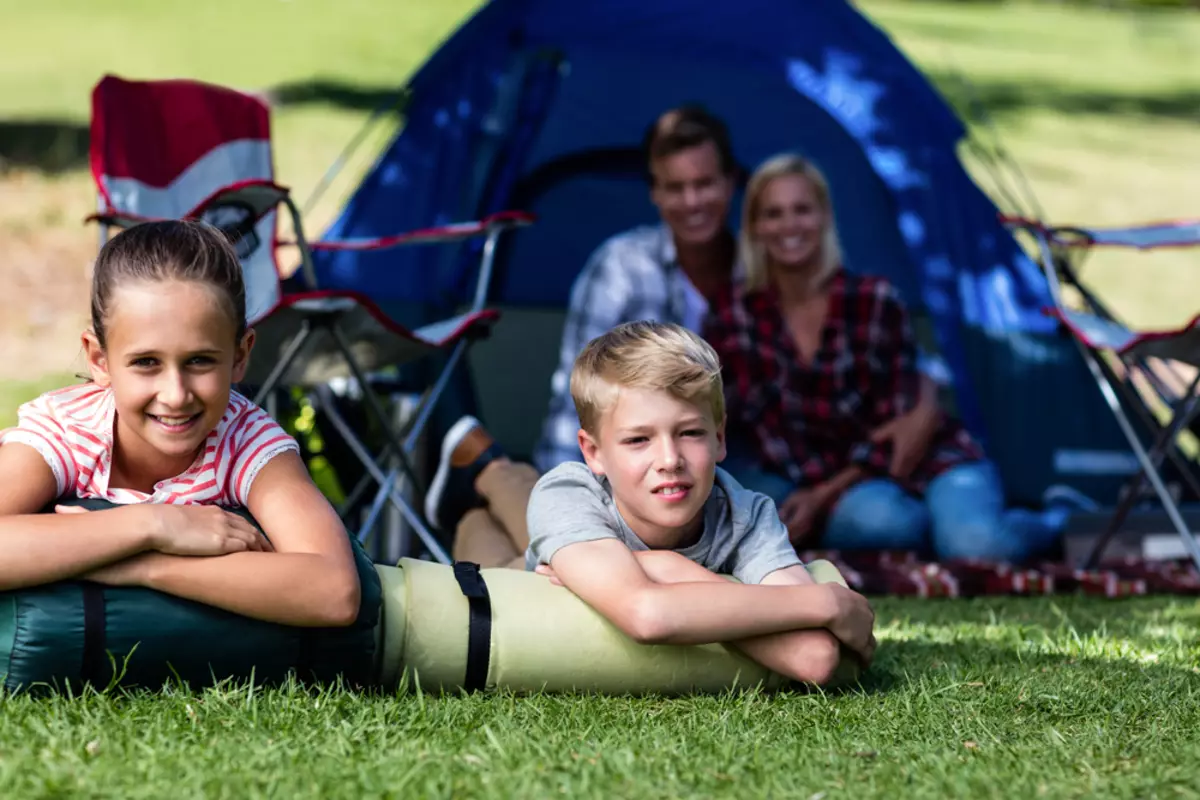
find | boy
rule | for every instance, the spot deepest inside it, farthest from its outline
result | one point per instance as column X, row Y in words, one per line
column 642, row 530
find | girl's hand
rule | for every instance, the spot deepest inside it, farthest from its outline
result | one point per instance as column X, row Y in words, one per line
column 203, row 531
column 192, row 530
column 130, row 572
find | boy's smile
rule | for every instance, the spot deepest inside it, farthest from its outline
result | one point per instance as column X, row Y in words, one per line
column 659, row 454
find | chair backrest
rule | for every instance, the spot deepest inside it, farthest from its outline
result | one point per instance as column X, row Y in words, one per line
column 165, row 149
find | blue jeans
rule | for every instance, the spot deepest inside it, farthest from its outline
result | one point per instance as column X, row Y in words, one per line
column 962, row 515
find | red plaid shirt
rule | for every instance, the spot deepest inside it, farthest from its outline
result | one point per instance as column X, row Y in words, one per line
column 812, row 421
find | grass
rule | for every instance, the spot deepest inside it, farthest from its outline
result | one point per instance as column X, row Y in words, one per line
column 1003, row 698
column 1063, row 697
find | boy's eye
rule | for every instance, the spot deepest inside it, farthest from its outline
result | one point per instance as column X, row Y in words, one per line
column 145, row 361
column 202, row 360
column 694, row 432
column 634, row 440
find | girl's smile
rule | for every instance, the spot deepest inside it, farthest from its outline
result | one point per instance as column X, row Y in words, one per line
column 170, row 356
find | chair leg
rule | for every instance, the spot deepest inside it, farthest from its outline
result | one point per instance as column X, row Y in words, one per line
column 373, row 402
column 360, row 451
column 1172, row 452
column 424, row 412
column 1148, row 468
column 289, row 355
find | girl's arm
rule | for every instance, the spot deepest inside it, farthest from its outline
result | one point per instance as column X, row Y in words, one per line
column 37, row 548
column 309, row 580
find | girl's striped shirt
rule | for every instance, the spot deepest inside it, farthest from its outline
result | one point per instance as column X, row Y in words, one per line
column 72, row 428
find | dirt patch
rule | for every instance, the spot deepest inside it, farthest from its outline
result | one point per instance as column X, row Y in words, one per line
column 46, row 250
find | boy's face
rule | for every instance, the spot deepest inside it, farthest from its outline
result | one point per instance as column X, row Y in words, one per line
column 659, row 454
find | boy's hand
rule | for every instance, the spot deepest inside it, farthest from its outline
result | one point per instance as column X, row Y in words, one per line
column 660, row 566
column 852, row 621
column 548, row 571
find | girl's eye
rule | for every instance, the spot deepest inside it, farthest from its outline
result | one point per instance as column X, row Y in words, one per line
column 144, row 362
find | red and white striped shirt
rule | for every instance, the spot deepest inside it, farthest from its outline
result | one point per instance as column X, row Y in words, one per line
column 73, row 430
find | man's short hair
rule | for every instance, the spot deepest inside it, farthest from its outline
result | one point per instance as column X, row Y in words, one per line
column 682, row 129
column 648, row 355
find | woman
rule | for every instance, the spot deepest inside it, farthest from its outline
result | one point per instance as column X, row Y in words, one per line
column 815, row 360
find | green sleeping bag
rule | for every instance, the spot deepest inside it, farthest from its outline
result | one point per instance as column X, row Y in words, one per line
column 78, row 632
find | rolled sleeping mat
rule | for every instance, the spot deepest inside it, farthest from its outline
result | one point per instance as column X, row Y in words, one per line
column 451, row 628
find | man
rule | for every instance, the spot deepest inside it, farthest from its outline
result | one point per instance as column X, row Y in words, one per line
column 664, row 273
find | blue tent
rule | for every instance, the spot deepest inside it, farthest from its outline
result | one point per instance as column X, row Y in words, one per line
column 541, row 104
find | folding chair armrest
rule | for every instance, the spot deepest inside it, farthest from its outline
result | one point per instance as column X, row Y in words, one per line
column 1140, row 236
column 458, row 231
column 1178, row 344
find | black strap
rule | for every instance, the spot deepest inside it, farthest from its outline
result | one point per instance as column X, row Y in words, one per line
column 479, row 632
column 94, row 628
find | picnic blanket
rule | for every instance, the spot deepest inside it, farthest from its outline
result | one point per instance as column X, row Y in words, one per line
column 901, row 573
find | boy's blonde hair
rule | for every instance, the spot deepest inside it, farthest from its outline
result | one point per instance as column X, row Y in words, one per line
column 645, row 355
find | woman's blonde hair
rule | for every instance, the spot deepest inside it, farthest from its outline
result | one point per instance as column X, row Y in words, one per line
column 752, row 253
column 645, row 355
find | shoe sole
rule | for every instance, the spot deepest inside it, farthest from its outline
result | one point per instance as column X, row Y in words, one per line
column 453, row 439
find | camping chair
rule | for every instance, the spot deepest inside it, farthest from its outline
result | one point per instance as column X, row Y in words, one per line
column 1137, row 362
column 184, row 149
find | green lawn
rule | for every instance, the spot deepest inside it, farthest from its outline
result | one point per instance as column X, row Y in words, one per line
column 1069, row 697
column 1002, row 698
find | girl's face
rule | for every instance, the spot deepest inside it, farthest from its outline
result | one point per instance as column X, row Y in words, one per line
column 170, row 358
column 790, row 221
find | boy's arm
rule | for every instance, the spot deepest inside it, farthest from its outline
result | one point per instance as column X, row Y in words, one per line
column 811, row 656
column 606, row 575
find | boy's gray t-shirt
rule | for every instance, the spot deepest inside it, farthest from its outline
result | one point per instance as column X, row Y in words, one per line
column 743, row 535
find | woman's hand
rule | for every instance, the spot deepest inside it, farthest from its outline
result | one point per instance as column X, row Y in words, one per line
column 799, row 511
column 192, row 530
column 911, row 433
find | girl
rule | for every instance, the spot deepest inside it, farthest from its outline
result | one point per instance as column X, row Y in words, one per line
column 816, row 359
column 159, row 431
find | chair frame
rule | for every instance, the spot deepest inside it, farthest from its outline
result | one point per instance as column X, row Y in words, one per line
column 1055, row 245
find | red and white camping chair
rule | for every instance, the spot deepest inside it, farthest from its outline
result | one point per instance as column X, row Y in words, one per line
column 176, row 149
column 1133, row 369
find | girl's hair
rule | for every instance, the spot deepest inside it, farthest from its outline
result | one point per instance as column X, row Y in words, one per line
column 753, row 255
column 181, row 250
